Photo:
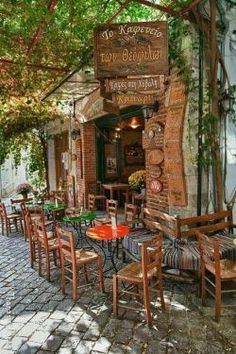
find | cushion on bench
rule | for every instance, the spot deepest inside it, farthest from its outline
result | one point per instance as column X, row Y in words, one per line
column 180, row 254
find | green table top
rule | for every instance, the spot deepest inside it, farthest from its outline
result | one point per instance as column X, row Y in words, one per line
column 47, row 206
column 85, row 216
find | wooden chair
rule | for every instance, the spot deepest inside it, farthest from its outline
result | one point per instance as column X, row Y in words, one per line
column 72, row 260
column 95, row 188
column 140, row 274
column 132, row 215
column 47, row 245
column 18, row 202
column 111, row 211
column 91, row 202
column 7, row 220
column 215, row 272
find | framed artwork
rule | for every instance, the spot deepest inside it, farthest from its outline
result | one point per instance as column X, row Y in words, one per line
column 111, row 166
column 134, row 155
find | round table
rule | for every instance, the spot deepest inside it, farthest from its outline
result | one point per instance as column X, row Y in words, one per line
column 108, row 233
column 76, row 221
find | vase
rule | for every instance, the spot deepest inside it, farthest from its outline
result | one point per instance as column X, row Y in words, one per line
column 24, row 195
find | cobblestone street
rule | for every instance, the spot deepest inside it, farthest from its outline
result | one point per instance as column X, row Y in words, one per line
column 35, row 317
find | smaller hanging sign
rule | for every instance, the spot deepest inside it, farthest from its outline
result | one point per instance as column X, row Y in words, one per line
column 129, row 99
column 155, row 186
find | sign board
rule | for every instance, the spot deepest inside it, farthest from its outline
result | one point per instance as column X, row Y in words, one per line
column 173, row 136
column 131, row 49
column 153, row 83
column 129, row 99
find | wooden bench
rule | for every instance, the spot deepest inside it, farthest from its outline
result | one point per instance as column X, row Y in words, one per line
column 181, row 248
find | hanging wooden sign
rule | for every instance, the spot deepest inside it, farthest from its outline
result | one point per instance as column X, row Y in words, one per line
column 153, row 83
column 128, row 49
column 129, row 99
column 155, row 186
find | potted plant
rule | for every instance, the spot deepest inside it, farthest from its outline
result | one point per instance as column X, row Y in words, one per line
column 137, row 181
column 24, row 189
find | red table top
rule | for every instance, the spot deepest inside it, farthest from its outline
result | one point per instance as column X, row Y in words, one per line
column 106, row 232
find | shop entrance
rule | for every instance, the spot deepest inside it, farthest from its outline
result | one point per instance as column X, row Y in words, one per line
column 119, row 147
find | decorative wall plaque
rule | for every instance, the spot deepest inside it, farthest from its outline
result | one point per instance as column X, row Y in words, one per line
column 155, row 186
column 155, row 157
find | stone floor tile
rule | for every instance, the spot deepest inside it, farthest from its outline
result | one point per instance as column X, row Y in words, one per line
column 52, row 343
column 84, row 347
column 102, row 345
column 39, row 336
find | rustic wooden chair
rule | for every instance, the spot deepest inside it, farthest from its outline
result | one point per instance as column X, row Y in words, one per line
column 47, row 245
column 221, row 270
column 31, row 236
column 8, row 220
column 95, row 188
column 18, row 202
column 72, row 260
column 132, row 215
column 140, row 274
column 111, row 211
column 91, row 202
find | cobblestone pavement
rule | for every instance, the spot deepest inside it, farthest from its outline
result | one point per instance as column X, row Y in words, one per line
column 35, row 317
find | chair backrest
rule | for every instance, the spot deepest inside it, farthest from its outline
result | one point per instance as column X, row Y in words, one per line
column 91, row 202
column 151, row 251
column 66, row 241
column 111, row 207
column 95, row 188
column 3, row 212
column 209, row 251
column 41, row 232
column 15, row 202
column 28, row 223
column 131, row 212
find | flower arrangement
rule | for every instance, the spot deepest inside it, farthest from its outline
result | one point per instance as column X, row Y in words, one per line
column 24, row 188
column 137, row 180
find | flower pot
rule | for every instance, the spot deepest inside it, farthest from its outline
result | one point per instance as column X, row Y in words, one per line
column 24, row 195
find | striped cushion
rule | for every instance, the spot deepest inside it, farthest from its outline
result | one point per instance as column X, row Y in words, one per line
column 180, row 254
column 133, row 240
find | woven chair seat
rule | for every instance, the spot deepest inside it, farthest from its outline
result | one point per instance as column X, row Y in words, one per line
column 133, row 273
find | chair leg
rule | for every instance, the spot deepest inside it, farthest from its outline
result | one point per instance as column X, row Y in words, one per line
column 147, row 302
column 75, row 280
column 40, row 259
column 218, row 299
column 160, row 286
column 100, row 272
column 203, row 287
column 48, row 266
column 32, row 254
column 115, row 295
column 63, row 279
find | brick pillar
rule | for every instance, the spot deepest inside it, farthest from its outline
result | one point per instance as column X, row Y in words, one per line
column 86, row 161
column 157, row 201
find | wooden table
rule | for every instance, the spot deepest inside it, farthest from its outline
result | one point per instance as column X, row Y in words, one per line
column 111, row 187
column 108, row 233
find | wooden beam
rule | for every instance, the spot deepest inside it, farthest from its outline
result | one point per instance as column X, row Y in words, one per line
column 166, row 9
column 38, row 34
column 34, row 66
column 190, row 6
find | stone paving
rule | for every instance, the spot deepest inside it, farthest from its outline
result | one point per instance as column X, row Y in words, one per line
column 35, row 317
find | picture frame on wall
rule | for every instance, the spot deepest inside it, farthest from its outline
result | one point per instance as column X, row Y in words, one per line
column 134, row 155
